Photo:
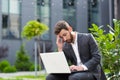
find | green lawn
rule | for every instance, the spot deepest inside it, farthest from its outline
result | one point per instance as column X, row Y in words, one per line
column 28, row 77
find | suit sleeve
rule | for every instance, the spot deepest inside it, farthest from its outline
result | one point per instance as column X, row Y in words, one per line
column 94, row 51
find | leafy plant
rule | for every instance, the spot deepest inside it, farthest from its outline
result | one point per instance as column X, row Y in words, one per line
column 109, row 45
column 6, row 67
column 4, row 64
column 32, row 67
column 9, row 69
column 22, row 62
column 33, row 28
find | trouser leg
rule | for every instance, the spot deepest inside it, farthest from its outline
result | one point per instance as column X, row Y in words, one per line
column 81, row 76
column 57, row 77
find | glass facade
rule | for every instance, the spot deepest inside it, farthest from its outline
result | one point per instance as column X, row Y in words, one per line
column 73, row 11
column 43, row 14
column 93, row 12
column 69, row 12
column 11, row 19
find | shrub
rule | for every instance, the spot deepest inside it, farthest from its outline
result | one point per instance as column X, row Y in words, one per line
column 32, row 67
column 9, row 69
column 109, row 45
column 3, row 64
column 22, row 62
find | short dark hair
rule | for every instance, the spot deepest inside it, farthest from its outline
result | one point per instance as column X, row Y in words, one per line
column 60, row 25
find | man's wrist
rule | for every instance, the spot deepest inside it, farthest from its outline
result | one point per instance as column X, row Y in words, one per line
column 59, row 50
column 84, row 67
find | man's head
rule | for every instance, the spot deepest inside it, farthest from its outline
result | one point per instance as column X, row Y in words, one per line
column 63, row 30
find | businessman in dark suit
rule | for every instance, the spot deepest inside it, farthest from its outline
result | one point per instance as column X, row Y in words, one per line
column 81, row 52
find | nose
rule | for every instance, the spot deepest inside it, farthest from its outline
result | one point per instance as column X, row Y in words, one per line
column 64, row 38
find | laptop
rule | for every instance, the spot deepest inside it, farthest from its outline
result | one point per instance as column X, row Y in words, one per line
column 55, row 62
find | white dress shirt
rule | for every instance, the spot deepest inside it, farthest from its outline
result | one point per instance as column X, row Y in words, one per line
column 75, row 48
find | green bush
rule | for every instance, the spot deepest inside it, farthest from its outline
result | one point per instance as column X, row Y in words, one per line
column 32, row 67
column 33, row 28
column 22, row 62
column 22, row 66
column 3, row 64
column 109, row 45
column 9, row 69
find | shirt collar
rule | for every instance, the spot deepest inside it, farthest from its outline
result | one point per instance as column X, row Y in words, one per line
column 75, row 38
column 75, row 41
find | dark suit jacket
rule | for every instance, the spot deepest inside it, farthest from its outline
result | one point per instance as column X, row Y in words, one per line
column 88, row 52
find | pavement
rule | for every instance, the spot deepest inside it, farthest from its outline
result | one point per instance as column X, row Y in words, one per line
column 23, row 73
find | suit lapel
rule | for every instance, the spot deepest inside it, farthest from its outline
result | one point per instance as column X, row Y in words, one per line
column 73, row 53
column 79, row 48
column 78, row 43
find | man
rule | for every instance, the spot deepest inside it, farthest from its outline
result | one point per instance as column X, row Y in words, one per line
column 81, row 52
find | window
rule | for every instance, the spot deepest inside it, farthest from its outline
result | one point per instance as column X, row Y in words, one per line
column 11, row 19
column 93, row 12
column 43, row 14
column 69, row 12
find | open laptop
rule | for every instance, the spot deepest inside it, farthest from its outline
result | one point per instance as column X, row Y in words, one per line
column 55, row 62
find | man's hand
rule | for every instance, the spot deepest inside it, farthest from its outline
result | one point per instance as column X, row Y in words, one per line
column 76, row 68
column 59, row 43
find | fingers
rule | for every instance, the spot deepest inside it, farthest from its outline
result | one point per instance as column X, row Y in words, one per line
column 76, row 68
column 72, row 67
column 58, row 39
column 59, row 43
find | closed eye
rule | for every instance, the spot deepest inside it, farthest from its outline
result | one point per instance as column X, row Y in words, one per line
column 64, row 34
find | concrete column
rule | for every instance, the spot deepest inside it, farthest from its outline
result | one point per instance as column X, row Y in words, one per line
column 56, row 12
column 28, row 11
column 0, row 20
column 104, row 13
column 110, row 12
column 82, row 15
column 117, row 9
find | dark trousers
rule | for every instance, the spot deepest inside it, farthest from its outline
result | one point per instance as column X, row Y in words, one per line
column 72, row 76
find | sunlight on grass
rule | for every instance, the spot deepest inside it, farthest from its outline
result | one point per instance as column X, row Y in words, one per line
column 1, row 79
column 26, row 77
column 42, row 77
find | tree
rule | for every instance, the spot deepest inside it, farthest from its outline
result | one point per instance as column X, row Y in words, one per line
column 22, row 62
column 34, row 29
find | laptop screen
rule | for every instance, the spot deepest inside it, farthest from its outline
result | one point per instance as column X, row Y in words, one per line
column 55, row 62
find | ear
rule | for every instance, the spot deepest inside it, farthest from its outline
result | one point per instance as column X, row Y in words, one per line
column 70, row 29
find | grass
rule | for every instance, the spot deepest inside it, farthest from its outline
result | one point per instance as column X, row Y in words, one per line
column 26, row 77
column 1, row 79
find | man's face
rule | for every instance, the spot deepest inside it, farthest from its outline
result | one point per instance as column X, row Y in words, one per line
column 66, row 36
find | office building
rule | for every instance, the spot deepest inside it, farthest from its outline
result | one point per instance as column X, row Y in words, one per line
column 80, row 14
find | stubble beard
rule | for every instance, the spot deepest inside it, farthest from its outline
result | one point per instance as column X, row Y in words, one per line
column 71, row 38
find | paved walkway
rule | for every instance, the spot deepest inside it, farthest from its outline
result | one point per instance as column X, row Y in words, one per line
column 7, row 75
